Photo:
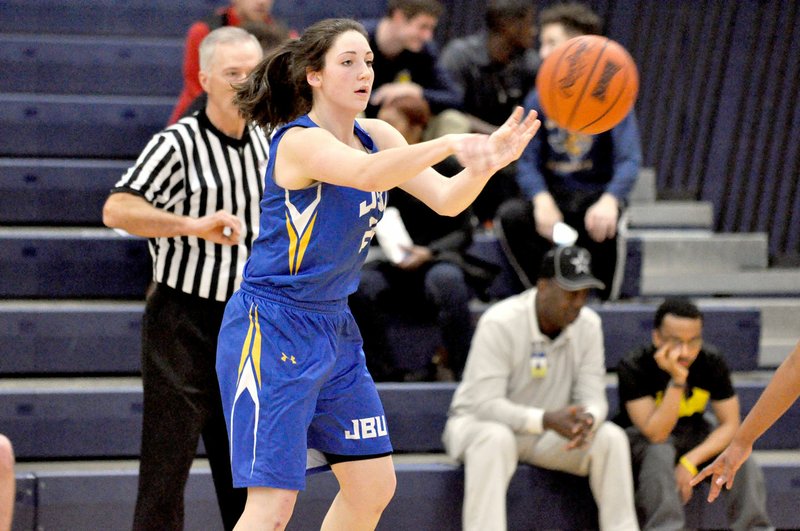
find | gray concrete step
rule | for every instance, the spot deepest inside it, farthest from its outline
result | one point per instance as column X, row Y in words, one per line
column 644, row 191
column 766, row 282
column 671, row 214
column 780, row 322
column 676, row 252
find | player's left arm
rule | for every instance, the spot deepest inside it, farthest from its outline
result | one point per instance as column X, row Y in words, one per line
column 480, row 155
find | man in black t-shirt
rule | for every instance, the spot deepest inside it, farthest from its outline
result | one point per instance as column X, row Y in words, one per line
column 664, row 389
column 494, row 70
column 405, row 57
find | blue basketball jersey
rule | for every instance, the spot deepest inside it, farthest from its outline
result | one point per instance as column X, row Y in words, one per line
column 313, row 242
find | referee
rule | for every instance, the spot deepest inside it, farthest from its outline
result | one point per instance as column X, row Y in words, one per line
column 194, row 192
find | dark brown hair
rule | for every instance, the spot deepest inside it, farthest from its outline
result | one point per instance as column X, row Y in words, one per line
column 276, row 91
column 677, row 306
column 270, row 35
column 500, row 12
column 412, row 8
column 416, row 110
column 576, row 18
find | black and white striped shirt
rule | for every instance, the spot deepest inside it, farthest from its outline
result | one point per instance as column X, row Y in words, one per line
column 193, row 169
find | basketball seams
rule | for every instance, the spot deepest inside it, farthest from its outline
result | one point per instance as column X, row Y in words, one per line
column 555, row 109
column 622, row 95
column 588, row 84
column 610, row 107
column 579, row 99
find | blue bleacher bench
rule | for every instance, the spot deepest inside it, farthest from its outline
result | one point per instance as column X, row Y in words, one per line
column 52, row 337
column 49, row 125
column 25, row 503
column 103, row 17
column 88, row 497
column 429, row 497
column 156, row 17
column 61, row 64
column 59, row 192
column 49, row 419
column 72, row 263
column 104, row 337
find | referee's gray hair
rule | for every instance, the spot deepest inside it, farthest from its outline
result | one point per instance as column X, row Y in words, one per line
column 223, row 35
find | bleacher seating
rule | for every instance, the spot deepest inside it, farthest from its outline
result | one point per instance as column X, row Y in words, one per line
column 72, row 263
column 36, row 125
column 84, row 86
column 428, row 498
column 156, row 18
column 416, row 413
column 58, row 64
column 49, row 419
column 56, row 192
column 70, row 337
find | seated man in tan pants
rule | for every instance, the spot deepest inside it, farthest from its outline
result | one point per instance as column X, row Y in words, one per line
column 534, row 391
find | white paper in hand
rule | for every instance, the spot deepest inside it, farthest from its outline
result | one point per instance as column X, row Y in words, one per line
column 564, row 235
column 392, row 235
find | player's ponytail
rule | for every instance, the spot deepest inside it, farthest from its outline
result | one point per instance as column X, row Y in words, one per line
column 272, row 95
column 276, row 91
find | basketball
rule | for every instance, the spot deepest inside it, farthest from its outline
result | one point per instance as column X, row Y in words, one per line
column 587, row 84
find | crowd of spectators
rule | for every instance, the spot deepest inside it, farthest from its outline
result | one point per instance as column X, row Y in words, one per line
column 543, row 404
column 470, row 87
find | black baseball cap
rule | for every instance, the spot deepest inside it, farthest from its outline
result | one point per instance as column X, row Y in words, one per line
column 570, row 267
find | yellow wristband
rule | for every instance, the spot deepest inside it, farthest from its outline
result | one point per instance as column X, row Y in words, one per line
column 688, row 465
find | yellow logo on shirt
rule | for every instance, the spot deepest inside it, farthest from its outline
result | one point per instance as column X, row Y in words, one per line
column 691, row 405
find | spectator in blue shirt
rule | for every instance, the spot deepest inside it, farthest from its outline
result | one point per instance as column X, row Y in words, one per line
column 578, row 179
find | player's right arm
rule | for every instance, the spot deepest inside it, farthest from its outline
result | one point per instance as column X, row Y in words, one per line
column 334, row 162
column 782, row 391
column 398, row 163
column 135, row 215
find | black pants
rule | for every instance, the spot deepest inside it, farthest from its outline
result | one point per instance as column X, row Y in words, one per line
column 436, row 292
column 501, row 186
column 517, row 230
column 181, row 403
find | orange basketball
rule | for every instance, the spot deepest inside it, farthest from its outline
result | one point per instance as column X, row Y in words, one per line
column 587, row 84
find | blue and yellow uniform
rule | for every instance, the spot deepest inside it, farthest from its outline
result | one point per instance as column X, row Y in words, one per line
column 289, row 361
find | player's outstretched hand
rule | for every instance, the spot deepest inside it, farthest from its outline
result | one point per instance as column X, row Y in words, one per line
column 510, row 139
column 490, row 153
column 723, row 469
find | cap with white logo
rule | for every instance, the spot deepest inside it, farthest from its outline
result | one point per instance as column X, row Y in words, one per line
column 570, row 267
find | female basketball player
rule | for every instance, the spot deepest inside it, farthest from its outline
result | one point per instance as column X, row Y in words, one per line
column 291, row 370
